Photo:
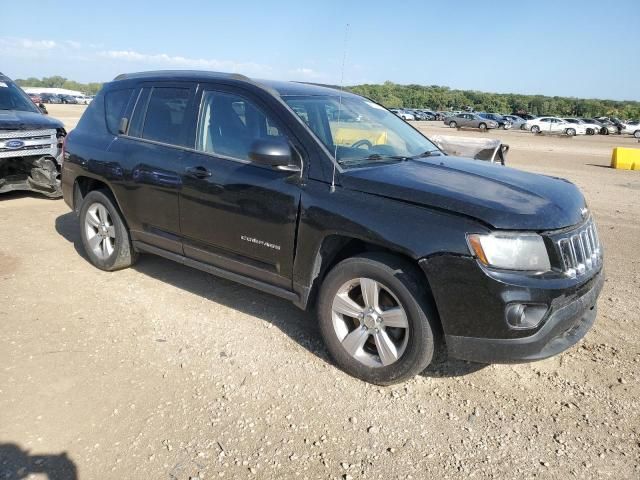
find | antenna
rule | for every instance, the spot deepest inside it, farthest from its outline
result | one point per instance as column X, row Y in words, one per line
column 335, row 153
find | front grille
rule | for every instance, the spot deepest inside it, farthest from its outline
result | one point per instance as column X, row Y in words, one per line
column 580, row 250
column 34, row 142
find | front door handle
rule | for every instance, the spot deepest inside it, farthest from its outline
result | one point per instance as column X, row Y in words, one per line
column 198, row 172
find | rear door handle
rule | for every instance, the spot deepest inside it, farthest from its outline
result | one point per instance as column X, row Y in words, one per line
column 198, row 172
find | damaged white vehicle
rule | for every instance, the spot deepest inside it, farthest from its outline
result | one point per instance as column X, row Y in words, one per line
column 30, row 144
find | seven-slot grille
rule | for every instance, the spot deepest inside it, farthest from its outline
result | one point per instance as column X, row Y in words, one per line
column 34, row 142
column 580, row 250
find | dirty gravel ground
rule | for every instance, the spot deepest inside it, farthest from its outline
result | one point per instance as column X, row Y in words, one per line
column 160, row 371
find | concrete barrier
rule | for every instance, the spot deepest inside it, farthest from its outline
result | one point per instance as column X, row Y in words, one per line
column 625, row 158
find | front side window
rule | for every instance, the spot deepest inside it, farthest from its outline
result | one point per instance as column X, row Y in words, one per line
column 165, row 116
column 358, row 132
column 229, row 124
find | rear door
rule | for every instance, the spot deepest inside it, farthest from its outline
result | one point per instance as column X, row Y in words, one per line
column 154, row 146
column 237, row 215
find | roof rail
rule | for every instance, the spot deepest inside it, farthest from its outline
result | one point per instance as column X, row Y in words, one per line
column 124, row 76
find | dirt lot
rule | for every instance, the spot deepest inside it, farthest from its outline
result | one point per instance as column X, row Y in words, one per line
column 161, row 371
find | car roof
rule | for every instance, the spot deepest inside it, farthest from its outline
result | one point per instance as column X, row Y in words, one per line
column 281, row 88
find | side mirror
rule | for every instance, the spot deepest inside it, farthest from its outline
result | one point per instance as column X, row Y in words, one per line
column 43, row 109
column 275, row 153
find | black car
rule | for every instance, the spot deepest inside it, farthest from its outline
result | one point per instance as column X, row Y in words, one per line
column 70, row 99
column 50, row 98
column 30, row 144
column 399, row 248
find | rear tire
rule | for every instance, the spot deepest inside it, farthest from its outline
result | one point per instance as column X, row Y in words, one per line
column 402, row 344
column 105, row 236
column 636, row 134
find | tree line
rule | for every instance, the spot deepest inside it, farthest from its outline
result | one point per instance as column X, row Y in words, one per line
column 434, row 97
column 60, row 82
column 393, row 95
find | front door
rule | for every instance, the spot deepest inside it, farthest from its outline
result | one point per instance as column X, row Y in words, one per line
column 235, row 214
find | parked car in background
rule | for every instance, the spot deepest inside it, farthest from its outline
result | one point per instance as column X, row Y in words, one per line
column 555, row 125
column 429, row 114
column 403, row 114
column 526, row 116
column 35, row 98
column 502, row 122
column 50, row 98
column 517, row 123
column 591, row 128
column 608, row 127
column 68, row 99
column 632, row 128
column 470, row 120
column 83, row 99
column 417, row 114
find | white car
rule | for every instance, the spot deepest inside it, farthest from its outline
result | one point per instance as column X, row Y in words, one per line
column 554, row 125
column 83, row 99
column 592, row 128
column 632, row 128
column 403, row 114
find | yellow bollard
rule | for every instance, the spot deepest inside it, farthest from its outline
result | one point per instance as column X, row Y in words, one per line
column 626, row 158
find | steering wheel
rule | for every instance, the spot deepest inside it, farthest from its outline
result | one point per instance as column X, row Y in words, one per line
column 362, row 143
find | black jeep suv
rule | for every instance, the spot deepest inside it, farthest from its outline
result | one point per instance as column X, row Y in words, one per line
column 399, row 247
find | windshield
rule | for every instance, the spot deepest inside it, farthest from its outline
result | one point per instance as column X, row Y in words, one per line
column 359, row 132
column 13, row 98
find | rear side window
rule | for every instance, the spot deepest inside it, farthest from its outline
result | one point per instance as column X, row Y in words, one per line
column 115, row 102
column 165, row 115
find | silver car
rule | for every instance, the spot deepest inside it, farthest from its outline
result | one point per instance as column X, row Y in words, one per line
column 470, row 120
column 517, row 123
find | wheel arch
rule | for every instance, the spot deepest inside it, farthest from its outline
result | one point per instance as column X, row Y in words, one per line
column 337, row 247
column 84, row 184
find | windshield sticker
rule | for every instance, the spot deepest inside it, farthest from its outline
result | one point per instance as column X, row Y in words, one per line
column 373, row 105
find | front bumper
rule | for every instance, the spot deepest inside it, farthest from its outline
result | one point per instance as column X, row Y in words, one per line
column 473, row 318
column 564, row 328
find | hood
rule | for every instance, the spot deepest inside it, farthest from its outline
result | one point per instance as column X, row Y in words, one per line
column 502, row 197
column 20, row 120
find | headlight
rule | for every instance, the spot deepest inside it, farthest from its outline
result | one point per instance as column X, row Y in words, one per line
column 511, row 251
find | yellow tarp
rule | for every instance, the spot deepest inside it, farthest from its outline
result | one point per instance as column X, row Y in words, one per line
column 347, row 136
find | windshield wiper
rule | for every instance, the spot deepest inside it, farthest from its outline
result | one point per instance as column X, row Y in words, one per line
column 373, row 158
column 428, row 153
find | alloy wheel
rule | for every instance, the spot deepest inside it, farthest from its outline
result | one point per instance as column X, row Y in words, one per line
column 370, row 322
column 101, row 234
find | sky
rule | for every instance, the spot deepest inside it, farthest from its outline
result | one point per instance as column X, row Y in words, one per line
column 585, row 48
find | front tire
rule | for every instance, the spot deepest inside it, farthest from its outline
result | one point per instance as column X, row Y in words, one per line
column 375, row 318
column 105, row 236
column 571, row 132
column 636, row 134
column 453, row 124
column 482, row 126
column 535, row 129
